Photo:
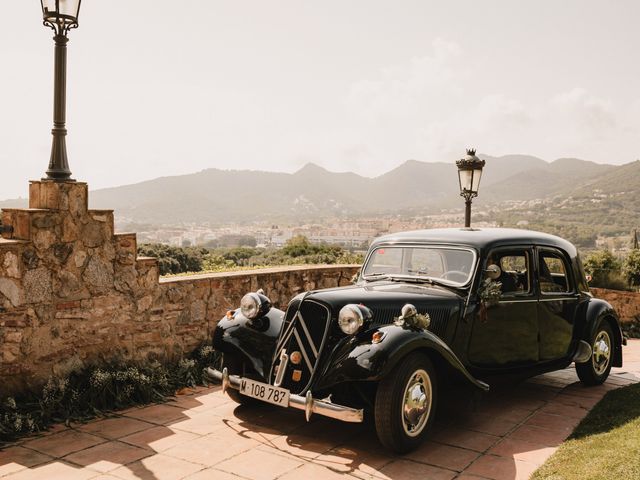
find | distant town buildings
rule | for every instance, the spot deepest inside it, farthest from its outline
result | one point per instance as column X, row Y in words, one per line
column 346, row 232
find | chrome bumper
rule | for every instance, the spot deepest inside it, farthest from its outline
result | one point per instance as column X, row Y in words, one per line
column 307, row 403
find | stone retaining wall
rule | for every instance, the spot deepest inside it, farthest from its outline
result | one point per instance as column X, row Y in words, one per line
column 73, row 292
column 627, row 304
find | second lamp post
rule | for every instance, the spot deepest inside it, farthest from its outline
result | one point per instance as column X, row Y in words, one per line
column 469, row 174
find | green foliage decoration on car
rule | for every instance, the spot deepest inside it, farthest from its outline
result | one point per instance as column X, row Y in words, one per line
column 490, row 292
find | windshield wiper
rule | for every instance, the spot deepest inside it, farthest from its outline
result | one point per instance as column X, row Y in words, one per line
column 374, row 277
column 419, row 271
column 411, row 279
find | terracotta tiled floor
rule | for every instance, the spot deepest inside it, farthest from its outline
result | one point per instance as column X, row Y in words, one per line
column 507, row 434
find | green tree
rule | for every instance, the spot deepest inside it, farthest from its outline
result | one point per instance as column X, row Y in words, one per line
column 298, row 246
column 605, row 270
column 174, row 259
column 631, row 267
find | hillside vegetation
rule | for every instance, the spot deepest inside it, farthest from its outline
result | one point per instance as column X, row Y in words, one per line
column 297, row 251
column 570, row 197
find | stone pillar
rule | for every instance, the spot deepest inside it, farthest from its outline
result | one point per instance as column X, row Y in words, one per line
column 60, row 257
column 67, row 196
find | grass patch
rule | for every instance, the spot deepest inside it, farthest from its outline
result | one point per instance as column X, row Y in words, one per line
column 97, row 390
column 606, row 444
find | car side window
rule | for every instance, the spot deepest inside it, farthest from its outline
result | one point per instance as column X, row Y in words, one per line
column 553, row 273
column 514, row 271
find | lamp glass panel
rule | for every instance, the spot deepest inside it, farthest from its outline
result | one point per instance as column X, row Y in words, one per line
column 69, row 7
column 53, row 8
column 49, row 7
column 477, row 174
column 466, row 177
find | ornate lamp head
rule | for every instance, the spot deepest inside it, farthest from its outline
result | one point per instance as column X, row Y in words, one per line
column 60, row 15
column 469, row 174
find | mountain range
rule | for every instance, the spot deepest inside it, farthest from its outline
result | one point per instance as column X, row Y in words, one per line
column 223, row 196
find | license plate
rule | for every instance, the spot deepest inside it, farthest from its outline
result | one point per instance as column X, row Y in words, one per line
column 265, row 392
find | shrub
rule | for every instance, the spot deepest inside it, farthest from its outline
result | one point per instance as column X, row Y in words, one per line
column 632, row 329
column 605, row 270
column 631, row 268
column 174, row 259
column 95, row 390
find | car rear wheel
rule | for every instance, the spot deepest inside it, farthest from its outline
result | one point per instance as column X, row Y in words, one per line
column 405, row 403
column 596, row 370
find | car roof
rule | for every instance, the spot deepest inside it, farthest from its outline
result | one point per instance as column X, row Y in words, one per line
column 479, row 238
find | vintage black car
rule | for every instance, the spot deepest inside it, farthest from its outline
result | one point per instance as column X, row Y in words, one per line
column 429, row 308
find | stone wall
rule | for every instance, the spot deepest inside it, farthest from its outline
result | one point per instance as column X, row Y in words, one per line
column 627, row 304
column 72, row 292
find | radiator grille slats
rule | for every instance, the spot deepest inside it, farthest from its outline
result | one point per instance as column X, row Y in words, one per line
column 305, row 331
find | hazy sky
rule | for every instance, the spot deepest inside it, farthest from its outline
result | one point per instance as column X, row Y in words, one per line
column 159, row 87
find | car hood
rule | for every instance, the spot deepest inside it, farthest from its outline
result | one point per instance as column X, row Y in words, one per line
column 387, row 298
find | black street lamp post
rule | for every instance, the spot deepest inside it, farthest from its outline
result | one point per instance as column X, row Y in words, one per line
column 61, row 16
column 469, row 174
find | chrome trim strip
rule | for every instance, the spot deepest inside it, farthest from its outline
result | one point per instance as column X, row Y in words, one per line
column 558, row 299
column 286, row 334
column 304, row 403
column 306, row 332
column 304, row 352
column 527, row 300
column 284, row 360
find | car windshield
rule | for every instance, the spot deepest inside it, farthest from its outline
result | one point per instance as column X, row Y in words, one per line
column 448, row 265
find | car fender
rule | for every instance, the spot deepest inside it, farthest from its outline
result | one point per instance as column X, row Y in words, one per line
column 593, row 312
column 358, row 358
column 254, row 341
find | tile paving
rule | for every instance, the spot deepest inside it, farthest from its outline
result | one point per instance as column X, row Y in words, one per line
column 204, row 435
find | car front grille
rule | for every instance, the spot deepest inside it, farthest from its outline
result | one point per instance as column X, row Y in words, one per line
column 305, row 330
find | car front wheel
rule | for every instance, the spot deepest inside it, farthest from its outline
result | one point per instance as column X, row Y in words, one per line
column 405, row 403
column 596, row 370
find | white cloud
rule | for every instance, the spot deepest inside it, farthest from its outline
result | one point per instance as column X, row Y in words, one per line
column 431, row 109
column 407, row 92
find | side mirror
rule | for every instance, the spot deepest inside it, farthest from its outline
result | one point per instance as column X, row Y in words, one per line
column 493, row 272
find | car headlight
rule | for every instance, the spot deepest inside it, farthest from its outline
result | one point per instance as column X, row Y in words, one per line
column 254, row 304
column 352, row 317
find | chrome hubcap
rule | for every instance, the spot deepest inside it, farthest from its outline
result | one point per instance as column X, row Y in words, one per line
column 601, row 352
column 416, row 407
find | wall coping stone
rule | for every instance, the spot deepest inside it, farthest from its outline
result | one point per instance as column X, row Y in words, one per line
column 256, row 271
column 26, row 209
column 11, row 241
column 147, row 259
column 100, row 210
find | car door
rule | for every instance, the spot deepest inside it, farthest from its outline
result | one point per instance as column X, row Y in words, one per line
column 506, row 334
column 558, row 301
